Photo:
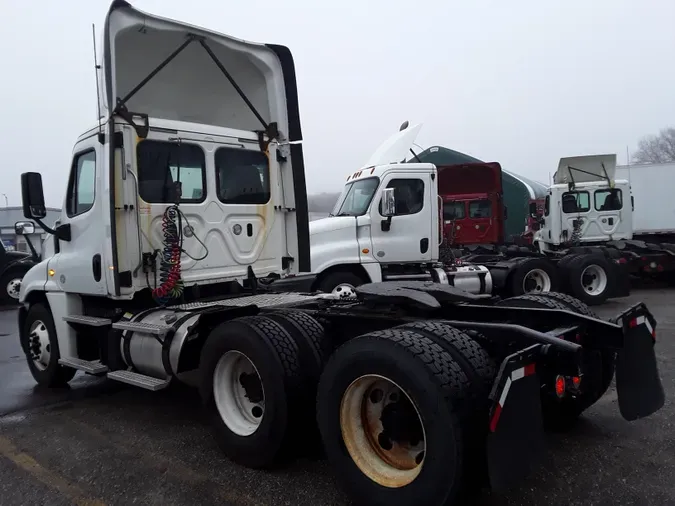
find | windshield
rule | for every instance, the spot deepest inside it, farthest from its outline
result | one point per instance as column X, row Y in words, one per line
column 357, row 197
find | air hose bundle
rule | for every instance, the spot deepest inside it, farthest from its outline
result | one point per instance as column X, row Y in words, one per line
column 171, row 284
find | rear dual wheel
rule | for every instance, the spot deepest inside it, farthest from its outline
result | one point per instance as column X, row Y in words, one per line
column 395, row 409
column 259, row 377
column 562, row 413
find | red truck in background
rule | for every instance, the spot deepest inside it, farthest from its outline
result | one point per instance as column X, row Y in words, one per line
column 473, row 207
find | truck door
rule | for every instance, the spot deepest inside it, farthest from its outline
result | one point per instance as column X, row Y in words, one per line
column 480, row 228
column 605, row 218
column 411, row 230
column 454, row 215
column 79, row 266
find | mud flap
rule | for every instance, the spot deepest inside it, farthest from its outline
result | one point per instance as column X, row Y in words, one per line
column 515, row 442
column 638, row 383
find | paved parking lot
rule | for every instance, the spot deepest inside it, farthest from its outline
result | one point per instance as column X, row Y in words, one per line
column 98, row 442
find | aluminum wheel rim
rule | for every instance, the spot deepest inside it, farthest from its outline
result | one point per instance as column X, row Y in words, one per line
column 594, row 280
column 238, row 393
column 39, row 345
column 538, row 278
column 389, row 463
column 13, row 288
column 344, row 291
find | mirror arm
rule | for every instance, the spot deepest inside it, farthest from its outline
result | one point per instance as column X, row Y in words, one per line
column 62, row 232
column 33, row 251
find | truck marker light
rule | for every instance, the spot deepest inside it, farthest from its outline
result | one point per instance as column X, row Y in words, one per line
column 560, row 386
column 515, row 375
column 576, row 381
column 51, row 272
column 365, row 251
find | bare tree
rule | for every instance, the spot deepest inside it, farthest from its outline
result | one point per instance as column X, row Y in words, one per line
column 656, row 148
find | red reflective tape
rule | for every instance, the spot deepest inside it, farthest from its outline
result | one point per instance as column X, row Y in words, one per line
column 529, row 369
column 495, row 418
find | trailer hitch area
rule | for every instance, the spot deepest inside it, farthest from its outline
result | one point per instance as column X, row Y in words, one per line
column 638, row 383
column 515, row 442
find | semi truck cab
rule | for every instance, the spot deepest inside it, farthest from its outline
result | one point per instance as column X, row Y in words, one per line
column 586, row 204
column 387, row 225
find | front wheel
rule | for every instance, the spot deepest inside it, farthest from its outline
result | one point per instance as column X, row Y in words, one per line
column 41, row 346
column 341, row 284
column 386, row 409
column 10, row 285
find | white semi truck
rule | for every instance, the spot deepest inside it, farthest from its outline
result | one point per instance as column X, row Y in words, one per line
column 181, row 249
column 357, row 244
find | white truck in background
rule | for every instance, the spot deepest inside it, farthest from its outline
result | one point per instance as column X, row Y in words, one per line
column 652, row 187
column 358, row 244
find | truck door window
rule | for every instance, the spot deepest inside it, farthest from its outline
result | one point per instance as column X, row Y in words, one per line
column 242, row 176
column 480, row 209
column 608, row 200
column 409, row 195
column 357, row 197
column 162, row 164
column 453, row 211
column 547, row 205
column 82, row 184
column 576, row 202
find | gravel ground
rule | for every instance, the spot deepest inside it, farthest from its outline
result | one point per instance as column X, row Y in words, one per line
column 97, row 442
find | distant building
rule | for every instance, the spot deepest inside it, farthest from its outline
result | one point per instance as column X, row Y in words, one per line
column 10, row 215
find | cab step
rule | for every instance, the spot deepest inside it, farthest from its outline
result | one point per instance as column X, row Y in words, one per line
column 143, row 328
column 138, row 380
column 91, row 321
column 91, row 367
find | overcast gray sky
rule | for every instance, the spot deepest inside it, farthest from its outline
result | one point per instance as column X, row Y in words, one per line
column 522, row 82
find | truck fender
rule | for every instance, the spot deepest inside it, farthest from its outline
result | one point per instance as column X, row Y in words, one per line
column 370, row 272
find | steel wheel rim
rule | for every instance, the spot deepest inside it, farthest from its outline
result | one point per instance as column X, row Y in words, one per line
column 540, row 279
column 391, row 463
column 594, row 280
column 13, row 288
column 238, row 393
column 39, row 345
column 344, row 291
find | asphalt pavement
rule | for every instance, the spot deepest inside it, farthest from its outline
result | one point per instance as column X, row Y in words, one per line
column 98, row 442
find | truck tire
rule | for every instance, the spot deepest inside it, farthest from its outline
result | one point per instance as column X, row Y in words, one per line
column 561, row 414
column 481, row 371
column 471, row 357
column 535, row 275
column 41, row 346
column 314, row 350
column 375, row 381
column 308, row 334
column 589, row 279
column 252, row 387
column 340, row 283
column 10, row 284
column 572, row 303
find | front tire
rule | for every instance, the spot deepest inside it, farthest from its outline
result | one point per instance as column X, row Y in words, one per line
column 341, row 284
column 41, row 346
column 10, row 284
column 386, row 410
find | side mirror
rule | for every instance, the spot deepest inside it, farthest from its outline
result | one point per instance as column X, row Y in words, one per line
column 32, row 196
column 388, row 203
column 388, row 208
column 533, row 209
column 24, row 228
